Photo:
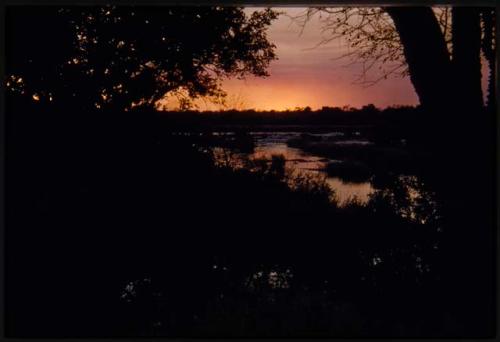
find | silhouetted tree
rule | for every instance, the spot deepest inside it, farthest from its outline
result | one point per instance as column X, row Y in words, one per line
column 439, row 48
column 123, row 57
column 442, row 79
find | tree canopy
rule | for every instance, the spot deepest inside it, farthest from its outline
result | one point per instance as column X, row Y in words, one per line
column 122, row 57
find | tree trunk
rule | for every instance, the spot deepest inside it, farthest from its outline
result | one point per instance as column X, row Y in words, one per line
column 466, row 35
column 448, row 86
column 444, row 84
column 426, row 54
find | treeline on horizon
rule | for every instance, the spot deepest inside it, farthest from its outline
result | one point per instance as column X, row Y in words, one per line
column 191, row 118
column 366, row 115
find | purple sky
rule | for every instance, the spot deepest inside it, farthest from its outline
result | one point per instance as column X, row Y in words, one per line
column 310, row 77
column 307, row 76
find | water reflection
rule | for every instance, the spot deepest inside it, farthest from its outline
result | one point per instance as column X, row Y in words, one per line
column 408, row 196
column 348, row 191
column 268, row 144
column 405, row 193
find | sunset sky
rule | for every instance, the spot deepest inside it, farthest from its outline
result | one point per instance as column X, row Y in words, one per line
column 306, row 75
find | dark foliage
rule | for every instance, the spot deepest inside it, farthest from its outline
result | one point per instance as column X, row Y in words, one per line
column 116, row 227
column 119, row 57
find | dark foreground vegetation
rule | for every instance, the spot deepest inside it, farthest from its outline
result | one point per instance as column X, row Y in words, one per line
column 116, row 228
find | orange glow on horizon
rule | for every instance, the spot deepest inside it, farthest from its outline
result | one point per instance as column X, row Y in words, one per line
column 304, row 76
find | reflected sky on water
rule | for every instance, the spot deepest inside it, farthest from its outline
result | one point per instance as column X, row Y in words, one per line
column 268, row 144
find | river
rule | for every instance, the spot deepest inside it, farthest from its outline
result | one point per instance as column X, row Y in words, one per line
column 269, row 143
